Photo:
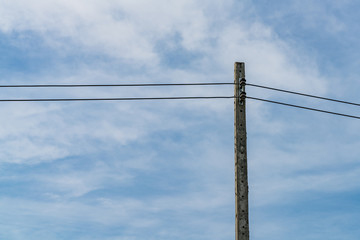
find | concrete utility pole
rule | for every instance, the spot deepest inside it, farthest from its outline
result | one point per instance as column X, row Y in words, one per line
column 241, row 176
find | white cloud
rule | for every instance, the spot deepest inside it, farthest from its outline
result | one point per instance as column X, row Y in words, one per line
column 125, row 29
column 130, row 30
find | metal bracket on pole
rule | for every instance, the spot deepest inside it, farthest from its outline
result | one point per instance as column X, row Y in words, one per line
column 241, row 174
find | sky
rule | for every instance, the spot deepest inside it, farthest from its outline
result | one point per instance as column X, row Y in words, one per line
column 165, row 169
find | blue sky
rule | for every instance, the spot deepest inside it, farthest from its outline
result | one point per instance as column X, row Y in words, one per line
column 164, row 169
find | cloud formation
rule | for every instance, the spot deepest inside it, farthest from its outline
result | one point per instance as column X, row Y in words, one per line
column 160, row 168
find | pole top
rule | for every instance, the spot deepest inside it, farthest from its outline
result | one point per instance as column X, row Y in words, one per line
column 240, row 68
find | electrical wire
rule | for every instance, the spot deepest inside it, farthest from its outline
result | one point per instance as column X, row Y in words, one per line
column 302, row 107
column 115, row 85
column 171, row 84
column 303, row 94
column 169, row 98
column 113, row 99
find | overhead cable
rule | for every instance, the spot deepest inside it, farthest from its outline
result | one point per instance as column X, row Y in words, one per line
column 113, row 99
column 169, row 98
column 303, row 94
column 302, row 107
column 115, row 85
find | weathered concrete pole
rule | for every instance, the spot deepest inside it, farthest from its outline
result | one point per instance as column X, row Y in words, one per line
column 241, row 175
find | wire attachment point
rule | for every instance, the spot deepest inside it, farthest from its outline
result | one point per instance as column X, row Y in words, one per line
column 242, row 89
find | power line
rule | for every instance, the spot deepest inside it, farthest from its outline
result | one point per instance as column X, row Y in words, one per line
column 166, row 98
column 115, row 85
column 167, row 84
column 306, row 108
column 303, row 94
column 113, row 99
